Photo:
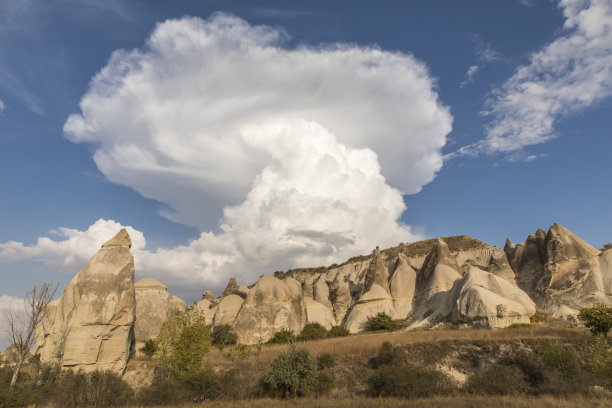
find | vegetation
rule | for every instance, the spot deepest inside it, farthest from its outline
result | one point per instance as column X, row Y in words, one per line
column 150, row 348
column 381, row 321
column 183, row 341
column 224, row 335
column 337, row 331
column 282, row 337
column 313, row 331
column 21, row 325
column 333, row 295
column 597, row 318
column 408, row 381
column 292, row 374
column 498, row 380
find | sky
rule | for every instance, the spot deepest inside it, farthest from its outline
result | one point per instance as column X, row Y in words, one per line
column 237, row 138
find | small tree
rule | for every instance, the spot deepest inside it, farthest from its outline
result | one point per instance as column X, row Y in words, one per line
column 22, row 325
column 224, row 335
column 597, row 318
column 183, row 341
column 381, row 321
column 292, row 374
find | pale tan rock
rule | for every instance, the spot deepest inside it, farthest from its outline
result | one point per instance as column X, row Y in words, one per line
column 231, row 288
column 242, row 291
column 178, row 303
column 227, row 310
column 209, row 310
column 152, row 306
column 486, row 300
column 321, row 293
column 318, row 313
column 271, row 305
column 402, row 286
column 375, row 297
column 91, row 326
column 605, row 265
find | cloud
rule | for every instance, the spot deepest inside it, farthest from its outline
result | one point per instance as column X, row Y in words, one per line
column 12, row 304
column 1, row 105
column 469, row 75
column 484, row 55
column 571, row 74
column 168, row 119
column 281, row 156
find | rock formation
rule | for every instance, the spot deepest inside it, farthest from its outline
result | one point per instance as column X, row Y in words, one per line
column 152, row 306
column 271, row 305
column 560, row 271
column 91, row 326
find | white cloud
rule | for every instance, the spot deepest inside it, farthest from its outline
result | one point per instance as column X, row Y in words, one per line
column 168, row 118
column 572, row 73
column 14, row 305
column 282, row 157
column 1, row 105
column 469, row 75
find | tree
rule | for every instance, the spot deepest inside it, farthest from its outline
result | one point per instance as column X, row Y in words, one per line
column 22, row 325
column 292, row 374
column 183, row 341
column 597, row 318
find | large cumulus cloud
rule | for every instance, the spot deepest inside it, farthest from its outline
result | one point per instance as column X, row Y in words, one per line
column 281, row 155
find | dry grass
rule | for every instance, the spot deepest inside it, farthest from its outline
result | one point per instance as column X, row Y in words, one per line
column 455, row 402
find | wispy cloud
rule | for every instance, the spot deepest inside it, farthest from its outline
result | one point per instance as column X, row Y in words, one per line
column 1, row 105
column 571, row 74
column 484, row 54
column 271, row 12
column 20, row 92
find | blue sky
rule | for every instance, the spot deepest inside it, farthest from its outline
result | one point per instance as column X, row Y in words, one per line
column 240, row 138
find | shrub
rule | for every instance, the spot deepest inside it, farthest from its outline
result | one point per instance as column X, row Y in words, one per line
column 408, row 381
column 333, row 295
column 224, row 335
column 243, row 350
column 325, row 383
column 95, row 389
column 381, row 321
column 292, row 374
column 169, row 390
column 149, row 348
column 337, row 331
column 538, row 317
column 184, row 340
column 313, row 331
column 498, row 380
column 518, row 325
column 597, row 318
column 282, row 337
column 560, row 360
column 386, row 355
column 325, row 361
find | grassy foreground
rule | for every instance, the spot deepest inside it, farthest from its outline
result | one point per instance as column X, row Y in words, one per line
column 455, row 402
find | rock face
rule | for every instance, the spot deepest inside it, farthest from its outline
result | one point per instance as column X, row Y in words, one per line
column 271, row 305
column 152, row 306
column 228, row 309
column 91, row 326
column 560, row 272
column 483, row 299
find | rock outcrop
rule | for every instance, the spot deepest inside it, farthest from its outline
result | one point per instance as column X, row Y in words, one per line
column 152, row 307
column 271, row 305
column 91, row 326
column 560, row 272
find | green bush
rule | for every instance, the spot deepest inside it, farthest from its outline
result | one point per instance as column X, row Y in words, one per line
column 337, row 331
column 312, row 331
column 538, row 317
column 282, row 337
column 518, row 325
column 183, row 341
column 292, row 374
column 149, row 348
column 408, row 381
column 325, row 383
column 224, row 335
column 597, row 318
column 243, row 350
column 561, row 360
column 325, row 361
column 166, row 389
column 95, row 389
column 333, row 295
column 381, row 321
column 498, row 380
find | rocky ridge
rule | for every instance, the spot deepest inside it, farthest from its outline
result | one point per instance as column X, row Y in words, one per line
column 458, row 279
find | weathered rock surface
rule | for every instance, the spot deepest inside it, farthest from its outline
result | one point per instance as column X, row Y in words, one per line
column 318, row 313
column 271, row 305
column 152, row 307
column 559, row 271
column 486, row 300
column 228, row 309
column 91, row 326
